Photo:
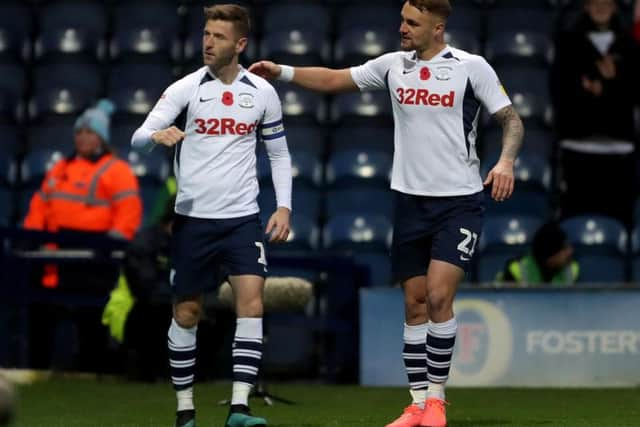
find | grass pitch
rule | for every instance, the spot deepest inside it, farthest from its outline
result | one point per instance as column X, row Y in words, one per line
column 110, row 403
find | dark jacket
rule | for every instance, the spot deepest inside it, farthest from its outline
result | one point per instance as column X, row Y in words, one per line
column 578, row 113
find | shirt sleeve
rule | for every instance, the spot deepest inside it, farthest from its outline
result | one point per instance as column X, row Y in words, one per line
column 373, row 74
column 171, row 103
column 487, row 86
column 275, row 140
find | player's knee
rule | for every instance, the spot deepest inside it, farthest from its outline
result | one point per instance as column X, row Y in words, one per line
column 439, row 303
column 250, row 308
column 187, row 317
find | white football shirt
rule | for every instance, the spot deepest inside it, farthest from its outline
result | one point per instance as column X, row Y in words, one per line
column 215, row 164
column 436, row 106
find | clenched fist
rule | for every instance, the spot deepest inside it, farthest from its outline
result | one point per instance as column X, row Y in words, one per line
column 169, row 136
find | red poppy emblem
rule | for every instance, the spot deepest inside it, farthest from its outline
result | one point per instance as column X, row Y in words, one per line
column 425, row 73
column 227, row 98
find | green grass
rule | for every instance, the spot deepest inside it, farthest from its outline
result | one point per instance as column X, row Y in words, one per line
column 110, row 403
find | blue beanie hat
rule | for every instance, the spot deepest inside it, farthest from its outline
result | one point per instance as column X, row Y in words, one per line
column 97, row 119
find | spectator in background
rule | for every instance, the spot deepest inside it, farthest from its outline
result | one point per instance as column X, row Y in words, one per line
column 595, row 85
column 549, row 261
column 90, row 191
column 143, row 297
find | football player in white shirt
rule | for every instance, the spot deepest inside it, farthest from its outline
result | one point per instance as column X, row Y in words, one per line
column 217, row 227
column 436, row 92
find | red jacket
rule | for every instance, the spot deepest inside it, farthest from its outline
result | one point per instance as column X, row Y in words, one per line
column 84, row 195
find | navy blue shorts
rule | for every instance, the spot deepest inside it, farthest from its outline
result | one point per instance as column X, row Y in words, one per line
column 205, row 251
column 440, row 228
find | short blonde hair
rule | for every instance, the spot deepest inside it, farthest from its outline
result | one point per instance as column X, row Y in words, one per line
column 441, row 8
column 237, row 15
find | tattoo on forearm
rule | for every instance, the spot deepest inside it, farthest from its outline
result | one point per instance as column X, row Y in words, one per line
column 512, row 131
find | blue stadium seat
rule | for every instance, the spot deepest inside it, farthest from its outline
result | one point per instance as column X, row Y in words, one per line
column 131, row 14
column 11, row 108
column 308, row 138
column 374, row 200
column 538, row 141
column 468, row 19
column 366, row 238
column 121, row 133
column 600, row 245
column 364, row 138
column 528, row 89
column 297, row 46
column 531, row 195
column 8, row 168
column 301, row 106
column 353, row 166
column 54, row 104
column 13, row 83
column 290, row 15
column 69, row 44
column 56, row 136
column 525, row 4
column 83, row 77
column 151, row 77
column 145, row 44
column 132, row 104
column 635, row 255
column 15, row 29
column 537, row 20
column 7, row 204
column 362, row 107
column 518, row 46
column 150, row 167
column 36, row 163
column 356, row 45
column 306, row 200
column 502, row 238
column 74, row 14
column 372, row 16
column 10, row 141
column 463, row 39
column 304, row 167
column 357, row 231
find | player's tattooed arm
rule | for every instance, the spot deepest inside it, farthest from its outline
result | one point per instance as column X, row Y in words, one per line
column 512, row 131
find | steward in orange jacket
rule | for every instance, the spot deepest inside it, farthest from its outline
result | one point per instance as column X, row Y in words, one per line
column 90, row 191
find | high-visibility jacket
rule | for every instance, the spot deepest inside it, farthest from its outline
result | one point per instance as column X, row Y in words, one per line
column 84, row 195
column 525, row 271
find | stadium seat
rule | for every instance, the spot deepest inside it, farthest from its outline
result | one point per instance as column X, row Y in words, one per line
column 56, row 136
column 600, row 245
column 364, row 138
column 36, row 163
column 152, row 167
column 304, row 167
column 63, row 105
column 306, row 200
column 13, row 83
column 15, row 29
column 635, row 255
column 463, row 39
column 10, row 141
column 121, row 133
column 7, row 204
column 376, row 16
column 366, row 238
column 131, row 14
column 145, row 44
column 538, row 141
column 362, row 107
column 151, row 77
column 531, row 195
column 527, row 87
column 354, row 166
column 538, row 20
column 518, row 46
column 502, row 238
column 8, row 168
column 298, row 46
column 524, row 4
column 11, row 108
column 301, row 106
column 292, row 15
column 69, row 44
column 133, row 104
column 74, row 14
column 309, row 138
column 84, row 77
column 356, row 45
column 375, row 200
column 468, row 19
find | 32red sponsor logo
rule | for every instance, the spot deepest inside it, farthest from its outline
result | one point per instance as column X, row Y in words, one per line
column 227, row 126
column 412, row 96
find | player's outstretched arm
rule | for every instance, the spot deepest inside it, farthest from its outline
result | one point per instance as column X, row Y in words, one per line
column 501, row 176
column 315, row 78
